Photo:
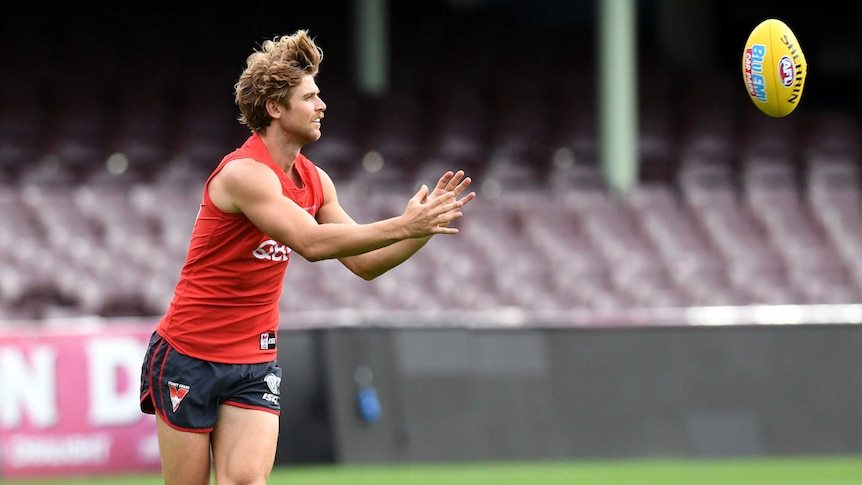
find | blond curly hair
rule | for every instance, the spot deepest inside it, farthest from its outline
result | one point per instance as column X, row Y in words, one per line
column 272, row 72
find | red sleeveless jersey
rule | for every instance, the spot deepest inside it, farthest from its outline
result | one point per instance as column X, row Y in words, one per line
column 225, row 305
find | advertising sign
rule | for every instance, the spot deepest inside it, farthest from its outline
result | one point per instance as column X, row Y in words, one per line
column 69, row 401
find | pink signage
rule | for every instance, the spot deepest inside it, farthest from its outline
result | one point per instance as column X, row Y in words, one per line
column 69, row 400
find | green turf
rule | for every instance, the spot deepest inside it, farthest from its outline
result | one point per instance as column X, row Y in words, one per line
column 788, row 471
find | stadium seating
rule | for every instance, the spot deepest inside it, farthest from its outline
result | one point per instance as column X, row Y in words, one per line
column 99, row 193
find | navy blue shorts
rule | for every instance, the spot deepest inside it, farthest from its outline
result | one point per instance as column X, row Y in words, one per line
column 187, row 392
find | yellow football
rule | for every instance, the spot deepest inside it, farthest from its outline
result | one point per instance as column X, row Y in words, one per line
column 774, row 68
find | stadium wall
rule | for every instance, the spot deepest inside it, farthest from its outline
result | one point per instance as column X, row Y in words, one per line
column 68, row 394
column 454, row 394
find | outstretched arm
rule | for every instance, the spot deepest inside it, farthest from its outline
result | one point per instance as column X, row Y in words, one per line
column 253, row 189
column 374, row 263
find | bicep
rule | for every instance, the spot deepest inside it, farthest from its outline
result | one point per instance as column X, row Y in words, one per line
column 256, row 192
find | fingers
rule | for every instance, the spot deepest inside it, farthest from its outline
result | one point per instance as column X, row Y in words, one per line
column 443, row 226
column 454, row 182
column 444, row 203
column 448, row 213
column 468, row 197
column 444, row 230
column 422, row 194
column 440, row 199
column 447, row 203
column 450, row 180
column 445, row 179
column 461, row 187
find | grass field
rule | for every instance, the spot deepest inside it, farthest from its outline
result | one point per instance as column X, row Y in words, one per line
column 786, row 471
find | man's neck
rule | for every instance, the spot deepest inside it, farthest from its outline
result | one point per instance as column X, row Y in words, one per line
column 283, row 152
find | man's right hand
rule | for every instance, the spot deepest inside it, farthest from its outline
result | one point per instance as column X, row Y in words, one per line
column 428, row 214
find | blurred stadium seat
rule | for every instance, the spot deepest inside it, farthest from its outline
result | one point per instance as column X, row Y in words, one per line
column 734, row 207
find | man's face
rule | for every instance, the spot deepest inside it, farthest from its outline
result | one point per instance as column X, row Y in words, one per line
column 302, row 120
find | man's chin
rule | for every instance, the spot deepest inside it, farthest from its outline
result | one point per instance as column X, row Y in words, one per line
column 313, row 138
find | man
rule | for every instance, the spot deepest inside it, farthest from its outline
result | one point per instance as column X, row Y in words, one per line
column 210, row 374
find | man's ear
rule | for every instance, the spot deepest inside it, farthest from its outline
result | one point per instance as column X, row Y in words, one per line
column 273, row 108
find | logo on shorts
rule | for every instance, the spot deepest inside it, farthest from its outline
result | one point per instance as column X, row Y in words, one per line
column 178, row 392
column 267, row 341
column 273, row 382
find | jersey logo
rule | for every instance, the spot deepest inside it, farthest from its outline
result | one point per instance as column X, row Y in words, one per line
column 178, row 392
column 272, row 251
column 268, row 341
